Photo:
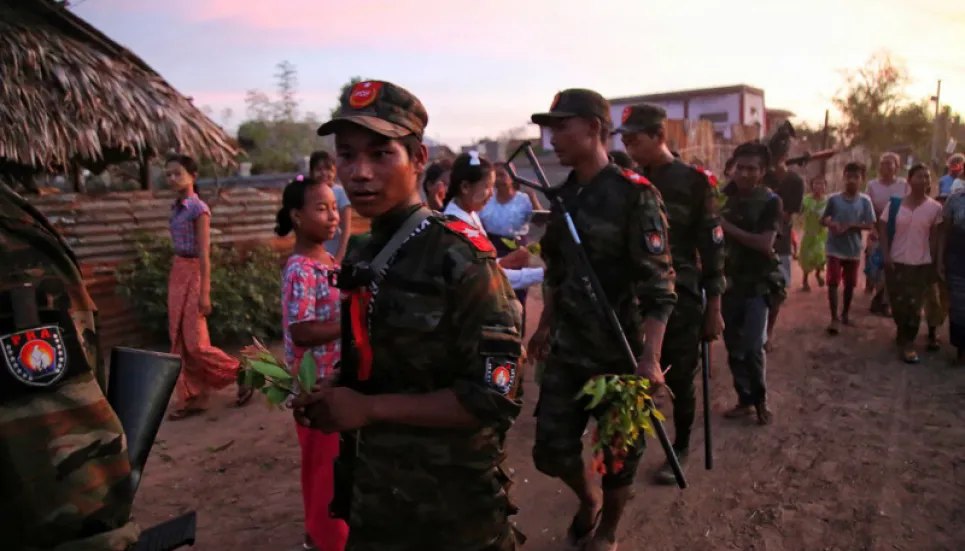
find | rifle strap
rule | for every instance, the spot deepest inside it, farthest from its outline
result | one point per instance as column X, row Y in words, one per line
column 401, row 235
column 360, row 300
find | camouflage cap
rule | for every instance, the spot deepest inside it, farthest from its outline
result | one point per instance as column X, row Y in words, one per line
column 575, row 102
column 640, row 118
column 382, row 107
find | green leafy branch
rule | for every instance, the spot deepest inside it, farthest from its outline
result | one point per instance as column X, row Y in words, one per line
column 263, row 371
column 626, row 419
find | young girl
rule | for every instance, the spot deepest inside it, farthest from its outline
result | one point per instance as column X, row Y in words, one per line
column 811, row 255
column 321, row 167
column 311, row 325
column 205, row 367
column 471, row 184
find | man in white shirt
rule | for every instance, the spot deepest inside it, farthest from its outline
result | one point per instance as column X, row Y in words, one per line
column 881, row 190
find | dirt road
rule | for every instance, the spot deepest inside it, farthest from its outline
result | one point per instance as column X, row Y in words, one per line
column 865, row 454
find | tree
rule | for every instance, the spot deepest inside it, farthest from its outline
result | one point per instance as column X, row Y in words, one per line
column 258, row 105
column 877, row 113
column 286, row 108
column 345, row 90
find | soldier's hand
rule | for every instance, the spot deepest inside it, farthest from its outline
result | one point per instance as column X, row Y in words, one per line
column 649, row 368
column 341, row 409
column 713, row 324
column 539, row 344
column 515, row 260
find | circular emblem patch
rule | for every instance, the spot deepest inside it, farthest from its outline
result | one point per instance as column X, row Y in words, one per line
column 500, row 375
column 35, row 357
column 556, row 101
column 363, row 94
column 626, row 114
column 717, row 235
column 655, row 242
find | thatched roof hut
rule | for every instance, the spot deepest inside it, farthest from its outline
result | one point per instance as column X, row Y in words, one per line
column 70, row 96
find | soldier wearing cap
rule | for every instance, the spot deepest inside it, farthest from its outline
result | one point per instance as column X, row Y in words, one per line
column 696, row 242
column 623, row 227
column 429, row 380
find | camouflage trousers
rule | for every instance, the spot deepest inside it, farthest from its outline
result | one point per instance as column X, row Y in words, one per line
column 681, row 352
column 907, row 286
column 561, row 420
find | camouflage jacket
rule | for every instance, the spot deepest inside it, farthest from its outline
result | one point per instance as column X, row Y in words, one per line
column 443, row 317
column 749, row 271
column 622, row 225
column 64, row 470
column 696, row 238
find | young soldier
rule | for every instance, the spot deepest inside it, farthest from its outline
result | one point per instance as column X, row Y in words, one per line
column 429, row 382
column 751, row 220
column 696, row 243
column 64, row 469
column 623, row 227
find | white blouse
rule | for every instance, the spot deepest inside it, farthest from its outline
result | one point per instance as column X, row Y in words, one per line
column 519, row 279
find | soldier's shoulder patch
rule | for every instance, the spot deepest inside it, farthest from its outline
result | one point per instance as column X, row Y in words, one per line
column 717, row 234
column 635, row 177
column 476, row 237
column 655, row 242
column 501, row 374
column 709, row 174
column 35, row 357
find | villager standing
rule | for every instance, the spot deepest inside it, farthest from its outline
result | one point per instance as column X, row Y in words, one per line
column 205, row 367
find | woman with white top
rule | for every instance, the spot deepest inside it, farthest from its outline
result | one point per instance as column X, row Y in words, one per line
column 470, row 187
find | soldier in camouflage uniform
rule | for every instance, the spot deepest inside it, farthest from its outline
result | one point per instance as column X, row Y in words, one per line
column 751, row 220
column 430, row 352
column 696, row 242
column 64, row 469
column 623, row 227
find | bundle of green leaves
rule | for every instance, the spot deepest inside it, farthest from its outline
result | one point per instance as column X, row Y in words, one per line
column 263, row 371
column 627, row 407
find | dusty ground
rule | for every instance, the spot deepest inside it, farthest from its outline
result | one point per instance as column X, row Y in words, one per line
column 865, row 454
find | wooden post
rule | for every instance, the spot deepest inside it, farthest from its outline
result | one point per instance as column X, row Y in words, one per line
column 824, row 139
column 937, row 98
column 144, row 174
column 74, row 177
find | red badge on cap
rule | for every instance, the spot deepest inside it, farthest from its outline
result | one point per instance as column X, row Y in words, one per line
column 626, row 115
column 556, row 101
column 710, row 175
column 363, row 94
column 475, row 236
column 635, row 178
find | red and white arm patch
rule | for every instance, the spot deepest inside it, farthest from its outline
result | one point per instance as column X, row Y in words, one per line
column 475, row 236
column 635, row 178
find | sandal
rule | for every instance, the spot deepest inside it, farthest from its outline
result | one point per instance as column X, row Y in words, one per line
column 575, row 538
column 910, row 357
column 244, row 395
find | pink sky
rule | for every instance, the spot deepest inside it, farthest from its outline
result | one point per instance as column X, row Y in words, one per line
column 483, row 67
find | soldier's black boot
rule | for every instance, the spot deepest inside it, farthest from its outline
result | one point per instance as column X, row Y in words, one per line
column 664, row 476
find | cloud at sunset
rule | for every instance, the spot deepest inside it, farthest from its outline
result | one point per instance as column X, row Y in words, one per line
column 484, row 66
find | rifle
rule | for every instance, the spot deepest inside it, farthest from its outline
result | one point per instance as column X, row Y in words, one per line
column 705, row 370
column 139, row 388
column 594, row 291
column 808, row 157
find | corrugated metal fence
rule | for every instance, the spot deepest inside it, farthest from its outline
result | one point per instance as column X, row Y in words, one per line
column 101, row 231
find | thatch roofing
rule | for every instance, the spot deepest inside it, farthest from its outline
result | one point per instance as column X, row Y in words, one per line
column 69, row 93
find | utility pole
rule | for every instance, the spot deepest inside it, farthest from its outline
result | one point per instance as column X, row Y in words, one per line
column 824, row 139
column 937, row 98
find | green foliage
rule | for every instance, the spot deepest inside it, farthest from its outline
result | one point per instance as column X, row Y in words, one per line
column 245, row 290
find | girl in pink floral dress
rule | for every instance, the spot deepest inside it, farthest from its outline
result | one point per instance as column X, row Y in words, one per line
column 312, row 325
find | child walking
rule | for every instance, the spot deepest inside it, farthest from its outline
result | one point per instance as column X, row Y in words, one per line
column 811, row 256
column 205, row 367
column 312, row 325
column 846, row 215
